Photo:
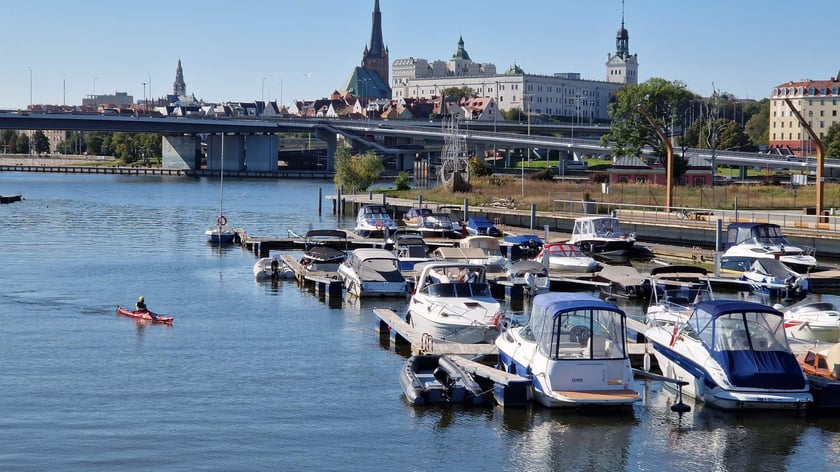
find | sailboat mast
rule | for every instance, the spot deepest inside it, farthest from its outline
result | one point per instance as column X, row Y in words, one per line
column 222, row 178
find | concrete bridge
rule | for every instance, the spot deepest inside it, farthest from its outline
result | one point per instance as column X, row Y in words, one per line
column 252, row 144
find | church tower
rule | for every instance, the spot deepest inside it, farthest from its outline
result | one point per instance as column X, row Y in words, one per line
column 375, row 57
column 179, row 88
column 623, row 67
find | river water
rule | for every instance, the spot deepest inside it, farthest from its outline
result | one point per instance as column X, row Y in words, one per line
column 259, row 377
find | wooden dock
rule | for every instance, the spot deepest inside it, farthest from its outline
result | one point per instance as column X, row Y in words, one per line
column 400, row 332
column 325, row 283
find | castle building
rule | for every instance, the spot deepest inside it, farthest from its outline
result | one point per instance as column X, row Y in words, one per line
column 564, row 94
column 622, row 67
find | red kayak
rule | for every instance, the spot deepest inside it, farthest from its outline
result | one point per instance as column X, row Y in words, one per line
column 145, row 315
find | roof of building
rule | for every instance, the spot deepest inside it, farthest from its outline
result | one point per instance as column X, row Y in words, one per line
column 367, row 84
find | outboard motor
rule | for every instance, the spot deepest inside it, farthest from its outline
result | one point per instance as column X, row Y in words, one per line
column 443, row 377
column 274, row 269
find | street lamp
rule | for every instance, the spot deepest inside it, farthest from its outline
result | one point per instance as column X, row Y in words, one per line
column 144, row 95
column 30, row 86
column 527, row 99
column 262, row 90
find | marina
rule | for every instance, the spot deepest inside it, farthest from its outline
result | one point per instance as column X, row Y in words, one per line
column 229, row 369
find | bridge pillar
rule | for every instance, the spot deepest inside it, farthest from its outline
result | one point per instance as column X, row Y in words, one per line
column 181, row 152
column 260, row 152
column 480, row 149
column 234, row 152
column 742, row 173
column 331, row 139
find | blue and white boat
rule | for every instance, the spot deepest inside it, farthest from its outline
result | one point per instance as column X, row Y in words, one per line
column 373, row 221
column 772, row 278
column 734, row 356
column 574, row 350
column 746, row 242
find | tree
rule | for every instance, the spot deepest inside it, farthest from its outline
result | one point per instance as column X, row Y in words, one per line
column 514, row 114
column 403, row 181
column 8, row 139
column 831, row 140
column 458, row 92
column 479, row 168
column 356, row 172
column 630, row 131
column 733, row 138
column 40, row 142
column 22, row 144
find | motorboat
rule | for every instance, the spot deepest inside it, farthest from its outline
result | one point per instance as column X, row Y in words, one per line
column 413, row 217
column 273, row 268
column 566, row 257
column 145, row 315
column 734, row 355
column 410, row 250
column 772, row 278
column 574, row 350
column 437, row 380
column 221, row 232
column 455, row 214
column 495, row 266
column 674, row 291
column 601, row 235
column 521, row 246
column 822, row 368
column 480, row 225
column 532, row 276
column 748, row 241
column 490, row 247
column 812, row 321
column 439, row 225
column 371, row 272
column 452, row 302
column 373, row 221
column 324, row 251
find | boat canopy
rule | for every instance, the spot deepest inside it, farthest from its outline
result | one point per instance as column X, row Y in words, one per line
column 748, row 340
column 760, row 233
column 562, row 323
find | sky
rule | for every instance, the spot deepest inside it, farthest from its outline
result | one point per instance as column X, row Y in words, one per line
column 59, row 52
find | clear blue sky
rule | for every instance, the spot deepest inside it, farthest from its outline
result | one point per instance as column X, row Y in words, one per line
column 244, row 50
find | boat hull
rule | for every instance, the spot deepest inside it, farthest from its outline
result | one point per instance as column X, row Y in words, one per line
column 145, row 316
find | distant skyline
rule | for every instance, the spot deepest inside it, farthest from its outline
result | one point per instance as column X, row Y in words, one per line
column 259, row 49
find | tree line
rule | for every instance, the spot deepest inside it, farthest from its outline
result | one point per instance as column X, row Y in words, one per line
column 127, row 147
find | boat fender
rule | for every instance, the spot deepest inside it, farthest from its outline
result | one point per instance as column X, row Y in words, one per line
column 499, row 321
column 221, row 220
column 646, row 362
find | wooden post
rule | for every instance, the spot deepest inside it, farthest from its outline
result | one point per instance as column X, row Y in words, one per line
column 320, row 200
column 820, row 158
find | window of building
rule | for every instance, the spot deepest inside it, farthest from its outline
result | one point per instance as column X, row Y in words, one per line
column 623, row 179
column 822, row 124
column 641, row 179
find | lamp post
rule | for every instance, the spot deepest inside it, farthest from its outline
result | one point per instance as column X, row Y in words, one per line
column 262, row 90
column 527, row 99
column 94, row 92
column 30, row 86
column 144, row 95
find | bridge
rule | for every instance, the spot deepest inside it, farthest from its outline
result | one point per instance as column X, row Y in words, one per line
column 251, row 144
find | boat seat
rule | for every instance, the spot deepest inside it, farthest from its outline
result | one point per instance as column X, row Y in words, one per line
column 599, row 345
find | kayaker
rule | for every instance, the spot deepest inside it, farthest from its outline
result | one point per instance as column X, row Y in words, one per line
column 141, row 307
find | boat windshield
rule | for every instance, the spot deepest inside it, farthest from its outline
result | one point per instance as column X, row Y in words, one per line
column 459, row 290
column 583, row 333
column 745, row 331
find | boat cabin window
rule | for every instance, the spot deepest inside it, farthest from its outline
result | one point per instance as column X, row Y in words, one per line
column 581, row 334
column 457, row 289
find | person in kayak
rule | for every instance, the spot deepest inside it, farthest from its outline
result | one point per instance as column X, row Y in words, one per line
column 141, row 307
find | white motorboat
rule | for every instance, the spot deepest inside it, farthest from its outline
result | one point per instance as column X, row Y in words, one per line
column 371, row 272
column 674, row 291
column 273, row 268
column 438, row 225
column 374, row 221
column 532, row 276
column 601, row 235
column 413, row 217
column 566, row 257
column 734, row 356
column 574, row 350
column 812, row 321
column 452, row 302
column 770, row 277
column 746, row 242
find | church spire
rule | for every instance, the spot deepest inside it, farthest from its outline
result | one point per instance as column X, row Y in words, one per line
column 179, row 88
column 375, row 56
column 376, row 46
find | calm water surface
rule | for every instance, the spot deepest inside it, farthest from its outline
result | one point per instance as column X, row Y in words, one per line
column 260, row 377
